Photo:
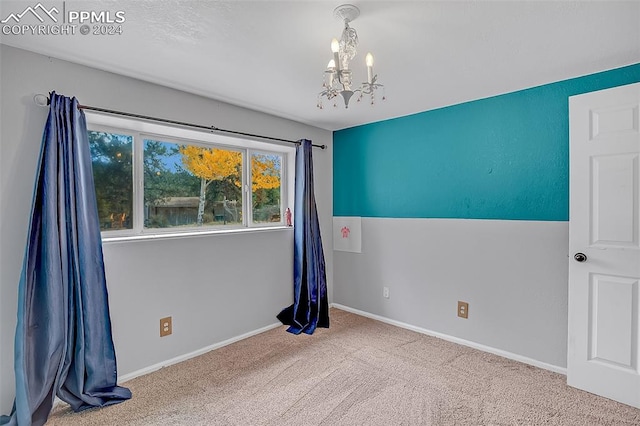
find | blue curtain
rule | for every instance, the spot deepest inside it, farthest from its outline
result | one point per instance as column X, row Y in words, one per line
column 63, row 343
column 310, row 307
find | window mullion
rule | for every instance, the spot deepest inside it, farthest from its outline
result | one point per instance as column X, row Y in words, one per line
column 284, row 199
column 247, row 201
column 138, row 183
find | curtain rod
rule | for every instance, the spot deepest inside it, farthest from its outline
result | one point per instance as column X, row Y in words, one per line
column 39, row 99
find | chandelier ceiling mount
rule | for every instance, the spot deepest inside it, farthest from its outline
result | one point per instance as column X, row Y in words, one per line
column 346, row 12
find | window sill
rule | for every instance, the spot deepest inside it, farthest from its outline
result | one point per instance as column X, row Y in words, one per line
column 190, row 234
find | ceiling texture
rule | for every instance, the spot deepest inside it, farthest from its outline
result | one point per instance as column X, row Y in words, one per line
column 270, row 55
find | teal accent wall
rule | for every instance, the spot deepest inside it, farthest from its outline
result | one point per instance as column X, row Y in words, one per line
column 504, row 157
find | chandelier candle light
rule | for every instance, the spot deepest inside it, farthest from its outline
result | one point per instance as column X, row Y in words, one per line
column 337, row 77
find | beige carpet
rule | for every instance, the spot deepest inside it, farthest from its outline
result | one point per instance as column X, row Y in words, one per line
column 358, row 372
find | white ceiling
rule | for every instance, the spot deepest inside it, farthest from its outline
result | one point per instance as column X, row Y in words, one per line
column 270, row 55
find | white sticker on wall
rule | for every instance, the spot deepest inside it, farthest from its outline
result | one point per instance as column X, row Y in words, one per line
column 347, row 234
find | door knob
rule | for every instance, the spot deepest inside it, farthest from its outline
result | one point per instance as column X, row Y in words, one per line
column 580, row 257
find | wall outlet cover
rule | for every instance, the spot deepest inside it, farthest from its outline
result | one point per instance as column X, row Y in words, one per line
column 463, row 309
column 166, row 327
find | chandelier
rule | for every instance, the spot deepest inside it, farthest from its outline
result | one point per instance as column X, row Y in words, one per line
column 337, row 77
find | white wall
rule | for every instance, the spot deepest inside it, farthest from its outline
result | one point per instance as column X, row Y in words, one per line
column 216, row 287
column 513, row 274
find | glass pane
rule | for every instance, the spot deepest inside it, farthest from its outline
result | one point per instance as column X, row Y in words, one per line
column 189, row 185
column 266, row 173
column 111, row 156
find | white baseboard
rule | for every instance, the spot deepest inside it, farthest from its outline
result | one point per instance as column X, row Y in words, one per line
column 158, row 366
column 499, row 352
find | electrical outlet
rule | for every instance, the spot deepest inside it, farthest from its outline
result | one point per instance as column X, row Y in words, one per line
column 463, row 309
column 165, row 327
column 385, row 292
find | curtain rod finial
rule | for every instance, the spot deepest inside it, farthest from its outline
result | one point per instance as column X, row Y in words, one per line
column 41, row 100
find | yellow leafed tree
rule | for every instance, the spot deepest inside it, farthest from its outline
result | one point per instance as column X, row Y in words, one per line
column 210, row 164
column 264, row 173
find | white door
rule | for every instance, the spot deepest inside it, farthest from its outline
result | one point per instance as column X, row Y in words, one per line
column 604, row 243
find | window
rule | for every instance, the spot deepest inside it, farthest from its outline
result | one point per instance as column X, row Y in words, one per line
column 191, row 185
column 155, row 179
column 112, row 155
column 266, row 175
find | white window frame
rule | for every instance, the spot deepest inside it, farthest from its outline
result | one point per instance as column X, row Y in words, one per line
column 141, row 130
